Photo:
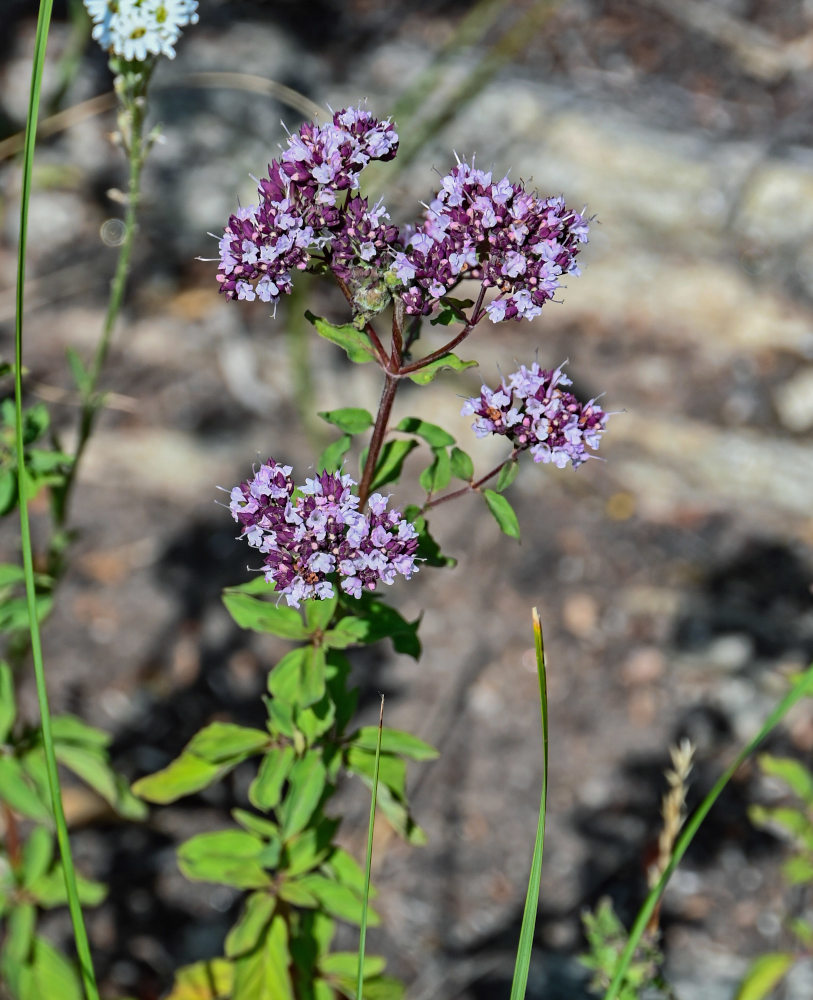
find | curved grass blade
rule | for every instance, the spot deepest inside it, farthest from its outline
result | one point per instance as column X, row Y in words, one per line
column 369, row 859
column 80, row 934
column 802, row 687
column 526, row 934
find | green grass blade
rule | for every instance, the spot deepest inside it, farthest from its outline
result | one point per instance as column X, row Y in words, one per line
column 80, row 934
column 526, row 934
column 802, row 687
column 369, row 859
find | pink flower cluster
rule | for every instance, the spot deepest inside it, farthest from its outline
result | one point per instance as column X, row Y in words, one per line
column 319, row 535
column 299, row 210
column 534, row 411
column 499, row 233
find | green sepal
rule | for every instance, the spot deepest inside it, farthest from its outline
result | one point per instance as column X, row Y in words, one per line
column 350, row 419
column 449, row 362
column 503, row 513
column 354, row 342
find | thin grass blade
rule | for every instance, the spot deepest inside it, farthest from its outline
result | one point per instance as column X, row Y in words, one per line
column 80, row 934
column 802, row 687
column 526, row 934
column 369, row 859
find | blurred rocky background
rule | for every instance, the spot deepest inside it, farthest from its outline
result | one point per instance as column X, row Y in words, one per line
column 673, row 578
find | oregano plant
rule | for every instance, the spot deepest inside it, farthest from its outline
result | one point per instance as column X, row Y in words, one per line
column 326, row 545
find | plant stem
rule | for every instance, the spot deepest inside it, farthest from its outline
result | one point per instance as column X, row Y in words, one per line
column 470, row 486
column 91, row 403
column 376, row 441
column 476, row 316
column 77, row 918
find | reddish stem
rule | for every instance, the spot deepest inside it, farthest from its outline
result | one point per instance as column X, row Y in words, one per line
column 475, row 486
column 15, row 854
column 476, row 316
column 369, row 329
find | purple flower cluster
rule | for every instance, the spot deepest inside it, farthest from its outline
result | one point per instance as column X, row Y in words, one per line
column 499, row 233
column 533, row 411
column 299, row 209
column 319, row 534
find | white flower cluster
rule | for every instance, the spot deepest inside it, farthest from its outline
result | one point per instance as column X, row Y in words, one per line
column 137, row 29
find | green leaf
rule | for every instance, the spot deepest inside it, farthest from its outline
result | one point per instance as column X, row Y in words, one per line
column 792, row 821
column 309, row 848
column 394, row 741
column 299, row 677
column 435, row 437
column 462, row 465
column 229, row 857
column 70, row 729
column 264, row 828
column 263, row 974
column 19, row 932
column 38, row 854
column 385, row 622
column 449, row 361
column 11, row 573
column 318, row 614
column 428, row 548
column 306, row 783
column 49, row 890
column 508, row 473
column 8, row 705
column 246, row 933
column 765, row 973
column 331, row 459
column 315, row 720
column 351, row 419
column 451, row 310
column 345, row 963
column 391, row 462
column 8, row 491
column 184, row 776
column 263, row 616
column 795, row 775
column 224, row 742
column 18, row 791
column 349, row 631
column 207, row 980
column 392, row 770
column 265, row 790
column 798, row 870
column 437, row 476
column 93, row 766
column 503, row 513
column 355, row 343
column 292, row 891
column 348, row 871
column 336, row 899
column 52, row 975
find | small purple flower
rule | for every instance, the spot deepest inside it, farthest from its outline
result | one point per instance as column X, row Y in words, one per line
column 498, row 233
column 299, row 214
column 533, row 411
column 321, row 536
